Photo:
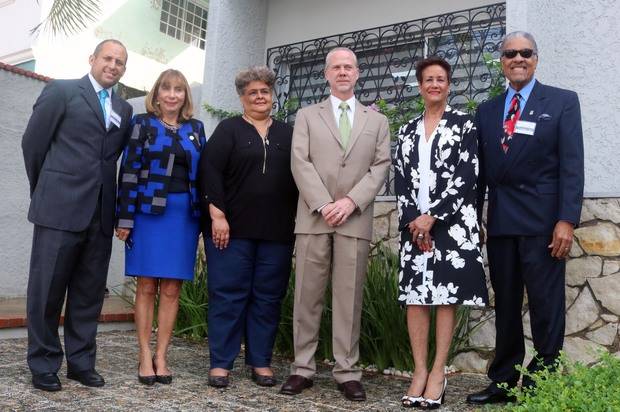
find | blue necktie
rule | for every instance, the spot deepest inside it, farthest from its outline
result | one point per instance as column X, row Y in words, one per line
column 103, row 94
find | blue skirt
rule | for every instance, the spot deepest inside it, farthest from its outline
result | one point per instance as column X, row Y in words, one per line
column 164, row 246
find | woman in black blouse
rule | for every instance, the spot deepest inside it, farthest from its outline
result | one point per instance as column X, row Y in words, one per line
column 249, row 200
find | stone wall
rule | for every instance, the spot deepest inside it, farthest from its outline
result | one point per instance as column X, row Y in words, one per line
column 592, row 288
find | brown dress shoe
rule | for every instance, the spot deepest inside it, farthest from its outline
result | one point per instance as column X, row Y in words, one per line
column 353, row 390
column 295, row 384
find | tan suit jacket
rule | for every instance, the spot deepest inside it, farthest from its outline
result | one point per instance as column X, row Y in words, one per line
column 325, row 171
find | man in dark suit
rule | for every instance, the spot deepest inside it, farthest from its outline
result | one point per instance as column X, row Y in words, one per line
column 532, row 163
column 76, row 132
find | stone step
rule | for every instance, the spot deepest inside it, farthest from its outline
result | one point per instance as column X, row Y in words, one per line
column 13, row 312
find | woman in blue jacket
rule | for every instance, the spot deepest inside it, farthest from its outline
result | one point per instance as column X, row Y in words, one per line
column 158, row 213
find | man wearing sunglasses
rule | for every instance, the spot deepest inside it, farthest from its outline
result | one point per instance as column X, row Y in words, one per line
column 531, row 161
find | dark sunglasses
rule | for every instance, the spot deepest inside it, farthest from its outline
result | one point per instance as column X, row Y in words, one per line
column 512, row 53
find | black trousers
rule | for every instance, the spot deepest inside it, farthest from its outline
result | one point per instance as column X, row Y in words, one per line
column 515, row 262
column 74, row 264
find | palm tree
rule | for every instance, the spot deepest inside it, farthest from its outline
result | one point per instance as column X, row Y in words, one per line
column 69, row 16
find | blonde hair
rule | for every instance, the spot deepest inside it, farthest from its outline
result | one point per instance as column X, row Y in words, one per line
column 337, row 49
column 187, row 110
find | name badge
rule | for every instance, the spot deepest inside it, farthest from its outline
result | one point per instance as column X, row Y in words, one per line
column 115, row 119
column 525, row 127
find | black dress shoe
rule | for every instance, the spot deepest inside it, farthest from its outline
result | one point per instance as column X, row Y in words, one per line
column 148, row 380
column 219, row 381
column 492, row 394
column 46, row 382
column 88, row 378
column 352, row 390
column 263, row 380
column 163, row 379
column 295, row 384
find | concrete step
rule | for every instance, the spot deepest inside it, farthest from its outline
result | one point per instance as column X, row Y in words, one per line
column 116, row 314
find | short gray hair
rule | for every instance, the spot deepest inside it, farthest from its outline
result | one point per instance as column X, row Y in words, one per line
column 516, row 34
column 254, row 74
column 337, row 49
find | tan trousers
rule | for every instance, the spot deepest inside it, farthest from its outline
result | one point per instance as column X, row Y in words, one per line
column 346, row 258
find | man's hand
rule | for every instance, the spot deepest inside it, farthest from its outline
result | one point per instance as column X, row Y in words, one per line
column 122, row 233
column 562, row 239
column 337, row 213
column 220, row 230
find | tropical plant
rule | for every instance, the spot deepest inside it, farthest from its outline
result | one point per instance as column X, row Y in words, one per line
column 69, row 16
column 194, row 302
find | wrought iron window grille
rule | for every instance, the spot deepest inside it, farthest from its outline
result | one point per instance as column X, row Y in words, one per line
column 386, row 58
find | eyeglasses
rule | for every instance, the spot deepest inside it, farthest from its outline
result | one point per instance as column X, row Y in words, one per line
column 512, row 53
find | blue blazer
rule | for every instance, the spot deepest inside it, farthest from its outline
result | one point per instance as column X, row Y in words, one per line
column 540, row 180
column 147, row 163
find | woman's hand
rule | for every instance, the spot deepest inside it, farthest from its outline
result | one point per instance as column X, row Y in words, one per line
column 220, row 230
column 420, row 231
column 122, row 233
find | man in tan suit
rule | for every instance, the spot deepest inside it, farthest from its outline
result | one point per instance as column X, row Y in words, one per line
column 340, row 159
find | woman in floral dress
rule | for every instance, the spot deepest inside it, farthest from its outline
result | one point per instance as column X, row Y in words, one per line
column 436, row 167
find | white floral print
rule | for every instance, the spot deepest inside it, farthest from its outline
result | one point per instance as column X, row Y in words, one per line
column 452, row 273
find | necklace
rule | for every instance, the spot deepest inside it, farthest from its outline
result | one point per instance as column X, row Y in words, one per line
column 173, row 127
column 266, row 136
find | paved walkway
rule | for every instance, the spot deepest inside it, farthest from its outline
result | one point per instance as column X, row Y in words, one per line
column 117, row 354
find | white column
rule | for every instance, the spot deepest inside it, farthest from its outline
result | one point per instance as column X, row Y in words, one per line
column 235, row 40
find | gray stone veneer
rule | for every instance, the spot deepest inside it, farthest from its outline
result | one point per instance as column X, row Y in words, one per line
column 592, row 288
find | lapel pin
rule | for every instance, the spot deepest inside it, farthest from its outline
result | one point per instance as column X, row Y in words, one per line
column 191, row 137
column 531, row 112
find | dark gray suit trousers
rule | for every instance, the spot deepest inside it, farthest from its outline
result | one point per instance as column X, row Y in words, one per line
column 75, row 265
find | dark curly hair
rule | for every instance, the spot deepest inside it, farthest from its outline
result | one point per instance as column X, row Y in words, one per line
column 431, row 61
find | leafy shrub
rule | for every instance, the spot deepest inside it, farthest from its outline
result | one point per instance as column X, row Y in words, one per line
column 571, row 386
column 193, row 303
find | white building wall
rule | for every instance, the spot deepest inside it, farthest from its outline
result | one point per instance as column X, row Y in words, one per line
column 15, row 46
column 18, row 95
column 577, row 41
column 291, row 21
column 16, row 234
column 134, row 22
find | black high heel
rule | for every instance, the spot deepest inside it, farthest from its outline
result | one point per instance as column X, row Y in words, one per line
column 146, row 380
column 436, row 403
column 163, row 379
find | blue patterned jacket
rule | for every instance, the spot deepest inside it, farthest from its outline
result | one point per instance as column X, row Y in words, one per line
column 147, row 166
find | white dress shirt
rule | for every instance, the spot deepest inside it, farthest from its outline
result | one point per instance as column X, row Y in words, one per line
column 108, row 100
column 336, row 109
column 424, row 168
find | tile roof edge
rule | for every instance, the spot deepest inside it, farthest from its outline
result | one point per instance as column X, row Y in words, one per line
column 25, row 73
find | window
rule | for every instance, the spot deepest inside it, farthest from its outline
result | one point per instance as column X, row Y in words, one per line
column 387, row 55
column 184, row 20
